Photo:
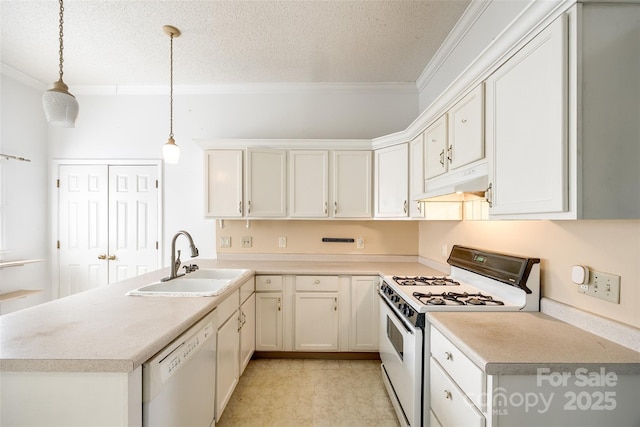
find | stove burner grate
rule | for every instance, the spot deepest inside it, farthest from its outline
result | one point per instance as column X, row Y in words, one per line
column 424, row 281
column 456, row 298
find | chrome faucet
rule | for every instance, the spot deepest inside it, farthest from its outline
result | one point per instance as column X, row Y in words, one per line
column 175, row 261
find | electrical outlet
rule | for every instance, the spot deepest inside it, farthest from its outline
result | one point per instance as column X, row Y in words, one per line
column 360, row 243
column 247, row 242
column 282, row 242
column 225, row 242
column 602, row 285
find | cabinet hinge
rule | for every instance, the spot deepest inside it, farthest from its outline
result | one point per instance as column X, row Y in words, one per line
column 157, row 245
column 156, row 183
column 58, row 245
column 58, row 183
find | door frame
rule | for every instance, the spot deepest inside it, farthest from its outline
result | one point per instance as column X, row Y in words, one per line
column 54, row 173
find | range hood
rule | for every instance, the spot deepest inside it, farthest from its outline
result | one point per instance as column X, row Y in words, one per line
column 459, row 186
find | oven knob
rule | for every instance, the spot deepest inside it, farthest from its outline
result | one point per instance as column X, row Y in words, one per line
column 395, row 298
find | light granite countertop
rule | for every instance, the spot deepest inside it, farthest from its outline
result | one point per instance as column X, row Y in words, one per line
column 506, row 343
column 104, row 330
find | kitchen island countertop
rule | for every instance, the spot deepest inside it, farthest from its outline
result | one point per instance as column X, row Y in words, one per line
column 104, row 330
column 507, row 343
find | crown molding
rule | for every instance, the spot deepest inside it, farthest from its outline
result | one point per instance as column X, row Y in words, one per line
column 463, row 26
column 286, row 144
column 9, row 71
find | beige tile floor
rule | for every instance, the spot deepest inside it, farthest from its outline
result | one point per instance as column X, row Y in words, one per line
column 308, row 392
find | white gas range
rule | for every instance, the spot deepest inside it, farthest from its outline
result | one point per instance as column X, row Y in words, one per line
column 479, row 281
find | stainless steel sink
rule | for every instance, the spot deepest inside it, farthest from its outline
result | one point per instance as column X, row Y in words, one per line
column 200, row 283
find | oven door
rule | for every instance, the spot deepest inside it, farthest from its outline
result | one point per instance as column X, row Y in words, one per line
column 401, row 354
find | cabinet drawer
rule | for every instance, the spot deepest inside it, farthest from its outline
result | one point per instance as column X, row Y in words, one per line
column 317, row 283
column 247, row 289
column 448, row 401
column 228, row 307
column 464, row 372
column 268, row 283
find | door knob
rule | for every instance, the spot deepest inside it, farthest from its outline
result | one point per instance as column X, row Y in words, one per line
column 111, row 257
column 102, row 256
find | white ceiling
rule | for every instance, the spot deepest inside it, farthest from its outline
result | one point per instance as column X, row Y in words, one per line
column 121, row 42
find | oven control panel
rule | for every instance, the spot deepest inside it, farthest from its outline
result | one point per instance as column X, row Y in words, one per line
column 400, row 306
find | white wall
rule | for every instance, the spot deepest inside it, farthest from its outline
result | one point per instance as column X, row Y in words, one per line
column 23, row 196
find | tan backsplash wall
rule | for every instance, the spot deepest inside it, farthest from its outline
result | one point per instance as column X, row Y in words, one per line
column 607, row 246
column 305, row 237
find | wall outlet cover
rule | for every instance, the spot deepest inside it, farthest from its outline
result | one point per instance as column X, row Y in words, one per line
column 247, row 242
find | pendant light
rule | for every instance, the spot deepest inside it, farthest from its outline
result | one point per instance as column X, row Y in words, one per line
column 170, row 150
column 60, row 107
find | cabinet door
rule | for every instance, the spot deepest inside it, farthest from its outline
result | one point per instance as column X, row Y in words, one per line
column 266, row 183
column 527, row 127
column 351, row 184
column 247, row 331
column 435, row 148
column 269, row 321
column 364, row 313
column 223, row 183
column 316, row 321
column 466, row 130
column 392, row 181
column 416, row 175
column 308, row 183
column 227, row 362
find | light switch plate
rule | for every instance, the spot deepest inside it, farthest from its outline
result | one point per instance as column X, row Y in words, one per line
column 282, row 242
column 225, row 242
column 601, row 285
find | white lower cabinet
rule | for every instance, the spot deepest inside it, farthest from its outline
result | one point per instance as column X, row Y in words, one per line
column 364, row 323
column 316, row 318
column 235, row 342
column 269, row 313
column 247, row 331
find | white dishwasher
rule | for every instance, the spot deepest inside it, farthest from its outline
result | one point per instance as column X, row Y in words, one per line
column 178, row 383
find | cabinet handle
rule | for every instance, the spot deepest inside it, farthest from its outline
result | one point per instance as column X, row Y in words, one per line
column 488, row 195
column 335, row 304
column 326, row 208
column 404, row 206
column 102, row 256
column 442, row 157
column 450, row 154
column 464, row 120
column 447, row 395
column 249, row 206
column 240, row 206
column 317, row 282
column 448, row 355
column 111, row 257
column 335, row 208
column 268, row 281
column 279, row 304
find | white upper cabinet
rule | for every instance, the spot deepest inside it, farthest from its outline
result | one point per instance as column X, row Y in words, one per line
column 436, row 143
column 223, row 183
column 351, row 184
column 526, row 126
column 416, row 175
column 309, row 183
column 562, row 119
column 392, row 181
column 265, row 183
column 466, row 130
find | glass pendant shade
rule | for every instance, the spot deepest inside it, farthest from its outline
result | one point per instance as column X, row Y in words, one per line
column 60, row 107
column 171, row 151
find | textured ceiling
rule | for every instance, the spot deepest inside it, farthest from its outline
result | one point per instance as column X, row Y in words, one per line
column 116, row 42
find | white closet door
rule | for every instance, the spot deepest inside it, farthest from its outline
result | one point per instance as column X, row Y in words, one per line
column 133, row 221
column 82, row 227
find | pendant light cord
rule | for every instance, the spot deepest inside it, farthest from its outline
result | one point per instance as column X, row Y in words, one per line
column 61, row 28
column 171, row 91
